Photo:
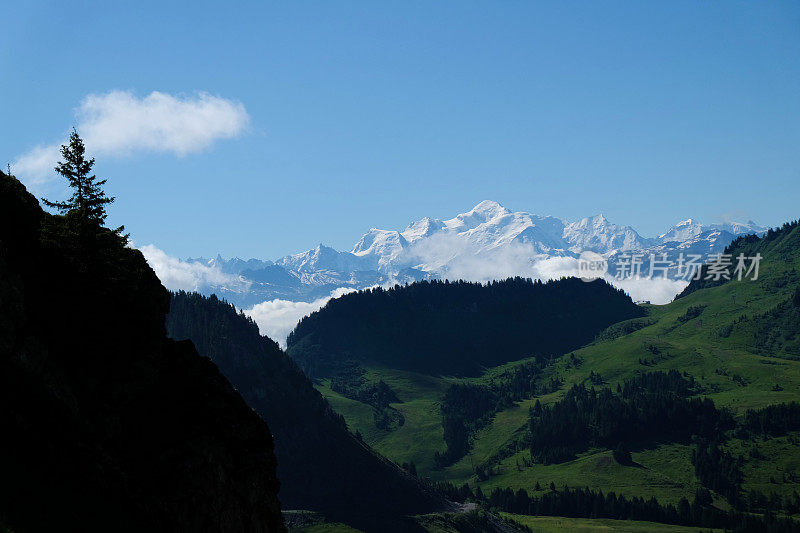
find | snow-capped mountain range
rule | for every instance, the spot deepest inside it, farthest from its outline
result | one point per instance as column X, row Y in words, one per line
column 487, row 242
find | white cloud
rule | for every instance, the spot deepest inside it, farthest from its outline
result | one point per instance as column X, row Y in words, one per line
column 656, row 291
column 35, row 167
column 181, row 275
column 519, row 259
column 454, row 257
column 118, row 123
column 277, row 318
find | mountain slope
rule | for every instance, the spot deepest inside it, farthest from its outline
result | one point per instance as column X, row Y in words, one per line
column 107, row 424
column 737, row 341
column 321, row 465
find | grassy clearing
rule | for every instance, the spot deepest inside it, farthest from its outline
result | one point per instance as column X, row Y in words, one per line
column 324, row 528
column 300, row 521
column 779, row 470
column 488, row 440
column 546, row 524
column 665, row 473
column 421, row 434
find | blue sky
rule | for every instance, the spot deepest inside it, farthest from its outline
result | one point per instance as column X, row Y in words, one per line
column 374, row 114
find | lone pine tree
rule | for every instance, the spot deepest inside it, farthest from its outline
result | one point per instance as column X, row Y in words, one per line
column 88, row 201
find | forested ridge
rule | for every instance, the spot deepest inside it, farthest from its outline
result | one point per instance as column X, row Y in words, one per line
column 457, row 328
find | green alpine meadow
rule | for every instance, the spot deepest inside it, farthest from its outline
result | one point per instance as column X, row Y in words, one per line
column 690, row 407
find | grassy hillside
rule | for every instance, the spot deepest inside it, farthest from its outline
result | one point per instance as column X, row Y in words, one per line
column 419, row 436
column 449, row 523
column 546, row 524
column 736, row 339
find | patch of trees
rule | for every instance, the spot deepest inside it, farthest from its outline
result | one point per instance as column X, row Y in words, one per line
column 351, row 383
column 777, row 330
column 464, row 408
column 771, row 421
column 693, row 311
column 621, row 329
column 774, row 333
column 659, row 355
column 718, row 470
column 726, row 330
column 461, row 494
column 457, row 328
column 587, row 503
column 622, row 454
column 758, row 502
column 467, row 407
column 652, row 406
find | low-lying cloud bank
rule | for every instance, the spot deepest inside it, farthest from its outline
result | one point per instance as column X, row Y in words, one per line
column 277, row 318
column 119, row 123
column 457, row 259
column 179, row 275
column 656, row 291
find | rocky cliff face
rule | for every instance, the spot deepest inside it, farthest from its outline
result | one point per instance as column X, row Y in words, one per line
column 107, row 424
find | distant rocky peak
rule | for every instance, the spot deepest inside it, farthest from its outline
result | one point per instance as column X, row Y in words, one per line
column 422, row 228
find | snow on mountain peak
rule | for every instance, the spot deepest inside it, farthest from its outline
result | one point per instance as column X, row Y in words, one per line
column 597, row 234
column 691, row 230
column 487, row 242
column 422, row 228
column 490, row 208
column 379, row 241
column 381, row 246
column 486, row 211
column 739, row 228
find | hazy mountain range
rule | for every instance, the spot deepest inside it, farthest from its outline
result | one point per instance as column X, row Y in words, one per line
column 486, row 242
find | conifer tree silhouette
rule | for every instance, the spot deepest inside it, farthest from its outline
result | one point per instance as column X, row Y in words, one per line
column 88, row 201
